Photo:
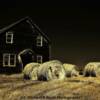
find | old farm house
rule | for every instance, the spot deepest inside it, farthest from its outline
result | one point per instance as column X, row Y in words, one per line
column 20, row 43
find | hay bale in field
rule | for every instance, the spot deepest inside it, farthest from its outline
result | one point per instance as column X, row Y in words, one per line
column 34, row 73
column 51, row 70
column 30, row 71
column 70, row 70
column 92, row 69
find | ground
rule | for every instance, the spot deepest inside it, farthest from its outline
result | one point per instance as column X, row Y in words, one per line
column 13, row 87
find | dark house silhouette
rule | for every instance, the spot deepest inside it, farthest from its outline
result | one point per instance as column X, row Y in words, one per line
column 22, row 42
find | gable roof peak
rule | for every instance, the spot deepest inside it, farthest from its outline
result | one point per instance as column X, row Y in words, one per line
column 21, row 20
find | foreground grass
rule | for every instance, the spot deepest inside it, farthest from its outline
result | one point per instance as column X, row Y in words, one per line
column 13, row 87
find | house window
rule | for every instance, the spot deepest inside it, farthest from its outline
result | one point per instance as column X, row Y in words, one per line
column 39, row 59
column 39, row 41
column 9, row 37
column 9, row 60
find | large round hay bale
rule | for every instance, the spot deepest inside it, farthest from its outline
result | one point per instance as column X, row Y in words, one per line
column 34, row 73
column 30, row 71
column 70, row 70
column 92, row 69
column 51, row 70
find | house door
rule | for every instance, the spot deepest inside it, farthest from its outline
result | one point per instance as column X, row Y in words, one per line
column 26, row 56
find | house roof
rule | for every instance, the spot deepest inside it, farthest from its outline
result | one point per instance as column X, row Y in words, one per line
column 3, row 30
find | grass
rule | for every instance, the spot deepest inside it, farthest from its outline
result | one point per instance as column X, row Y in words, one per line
column 13, row 87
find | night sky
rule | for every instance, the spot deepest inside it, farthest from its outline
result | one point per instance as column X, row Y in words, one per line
column 73, row 27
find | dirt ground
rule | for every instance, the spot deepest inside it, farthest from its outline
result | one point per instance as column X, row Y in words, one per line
column 14, row 87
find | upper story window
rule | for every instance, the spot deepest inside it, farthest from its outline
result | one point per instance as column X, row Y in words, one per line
column 39, row 41
column 9, row 37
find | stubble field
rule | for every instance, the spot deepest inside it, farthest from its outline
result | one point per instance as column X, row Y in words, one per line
column 14, row 87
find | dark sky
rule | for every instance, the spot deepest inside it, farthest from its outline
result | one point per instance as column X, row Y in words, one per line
column 73, row 27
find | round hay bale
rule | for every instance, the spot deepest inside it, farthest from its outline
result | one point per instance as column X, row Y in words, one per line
column 70, row 70
column 92, row 69
column 30, row 71
column 34, row 73
column 51, row 70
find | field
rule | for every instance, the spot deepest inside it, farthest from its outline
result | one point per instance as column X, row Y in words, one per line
column 14, row 87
